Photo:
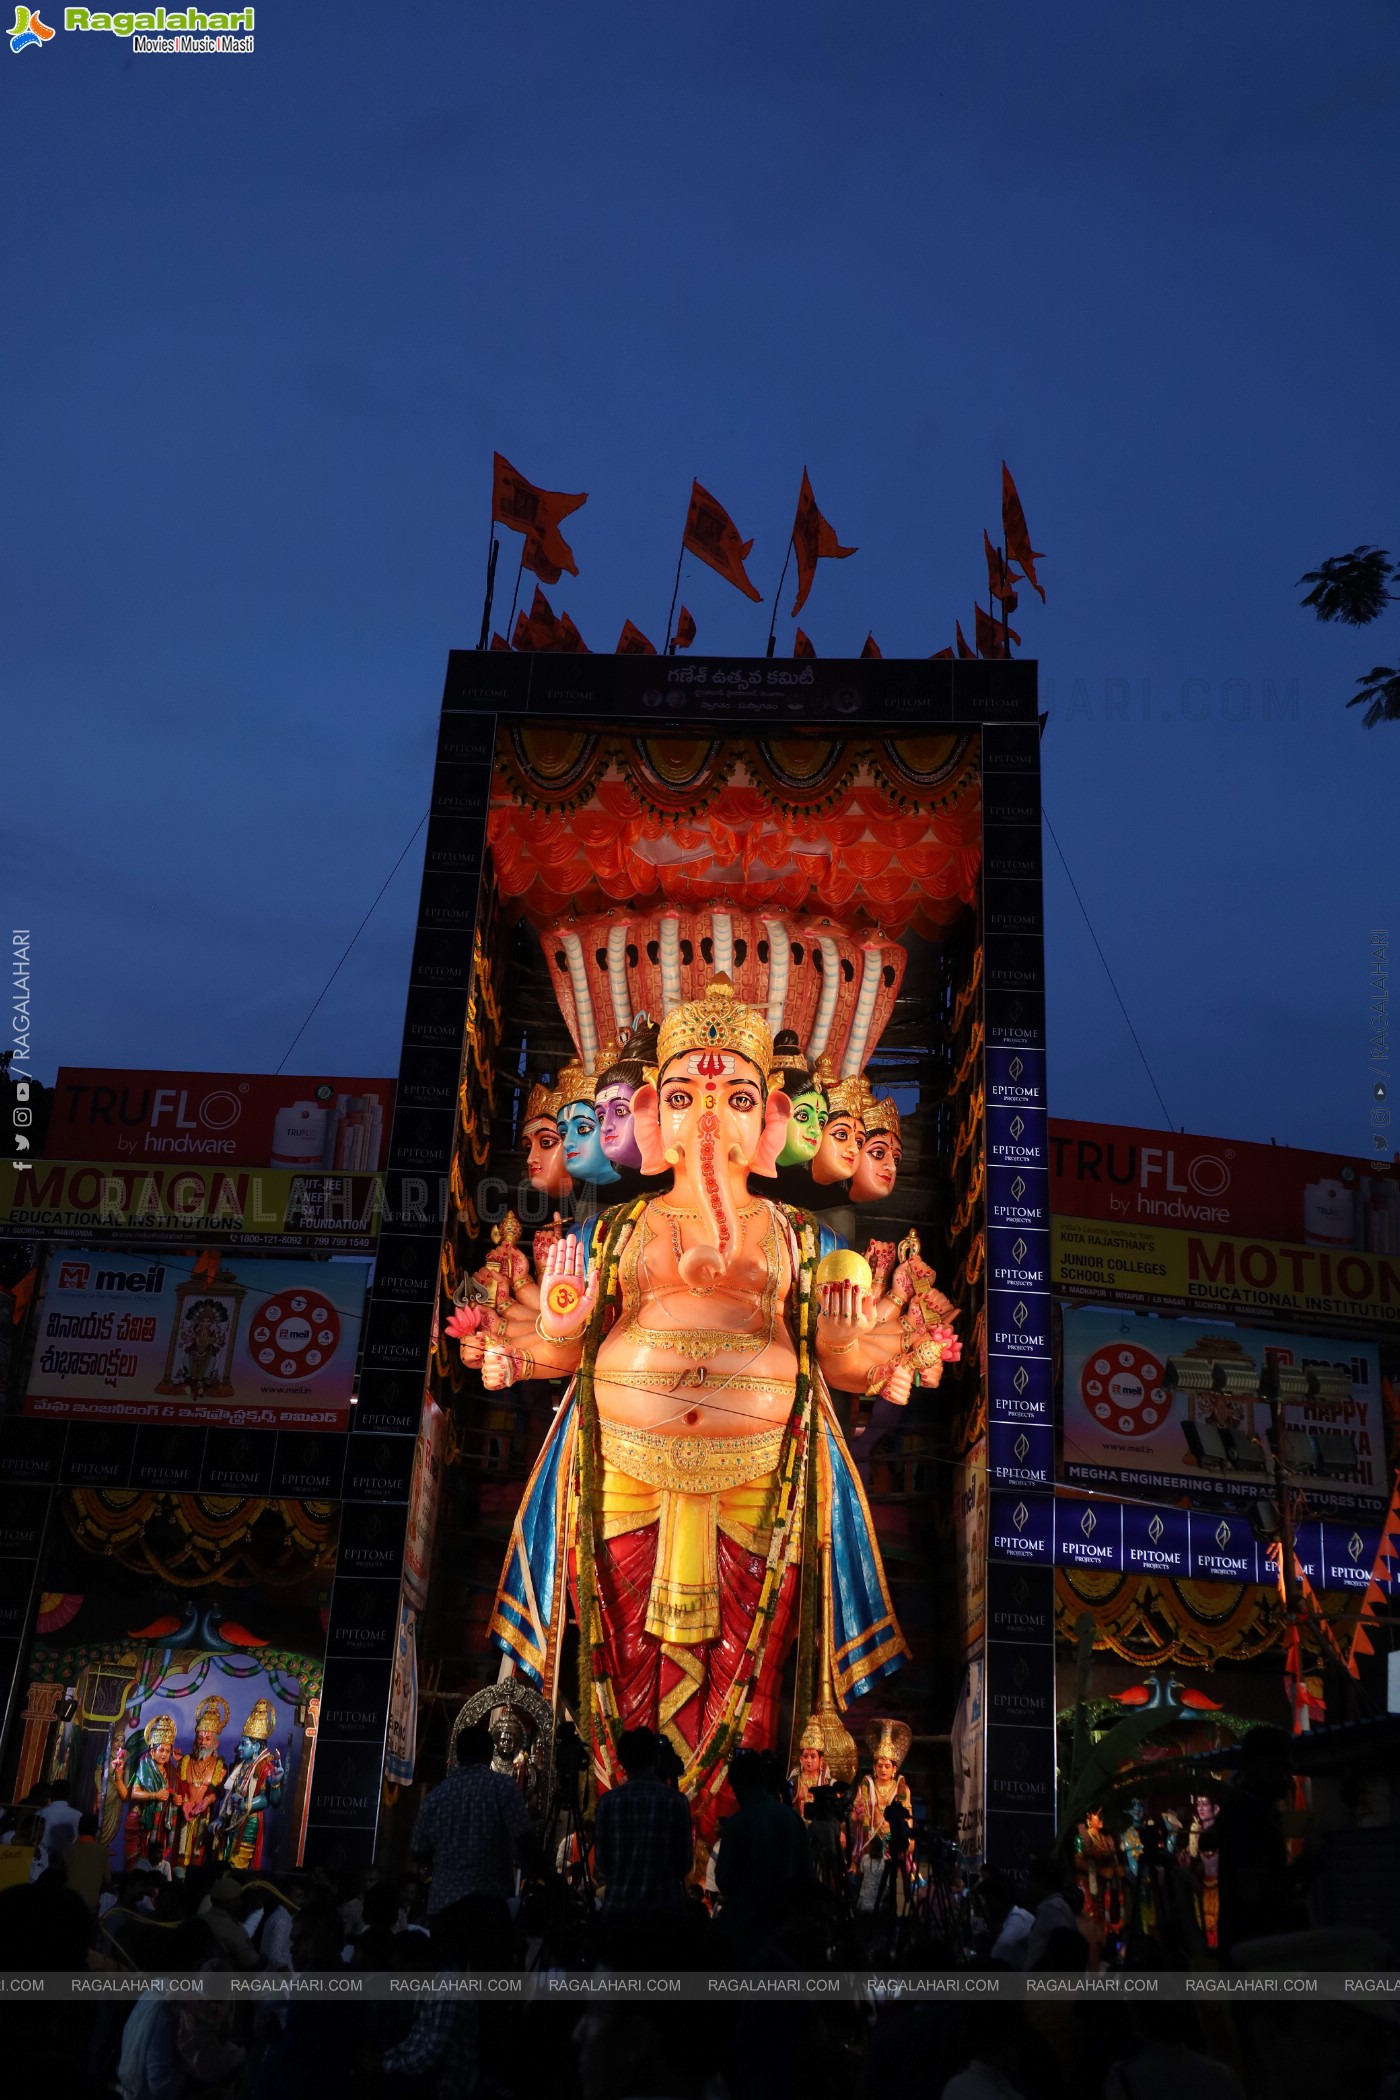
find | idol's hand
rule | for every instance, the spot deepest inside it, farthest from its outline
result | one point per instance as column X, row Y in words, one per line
column 567, row 1294
column 848, row 1312
column 498, row 1368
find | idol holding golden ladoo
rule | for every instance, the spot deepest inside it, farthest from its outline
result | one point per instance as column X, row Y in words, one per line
column 695, row 1495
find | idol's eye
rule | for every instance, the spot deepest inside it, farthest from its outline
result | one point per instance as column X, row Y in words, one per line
column 585, row 1127
column 547, row 1140
column 741, row 1103
column 678, row 1097
column 621, row 1110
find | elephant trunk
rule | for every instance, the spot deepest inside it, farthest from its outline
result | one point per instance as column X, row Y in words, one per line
column 702, row 1265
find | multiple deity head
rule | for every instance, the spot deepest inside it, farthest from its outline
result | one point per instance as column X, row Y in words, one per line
column 587, row 1126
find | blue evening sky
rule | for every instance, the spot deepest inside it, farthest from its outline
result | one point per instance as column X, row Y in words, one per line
column 265, row 319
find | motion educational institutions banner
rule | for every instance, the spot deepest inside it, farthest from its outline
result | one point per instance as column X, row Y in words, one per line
column 249, row 1344
column 233, row 1206
column 1156, row 1265
column 1139, row 1392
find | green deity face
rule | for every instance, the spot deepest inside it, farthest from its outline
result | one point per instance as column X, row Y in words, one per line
column 804, row 1131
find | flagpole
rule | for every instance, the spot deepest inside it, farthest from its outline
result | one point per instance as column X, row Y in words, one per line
column 490, row 590
column 516, row 592
column 772, row 624
column 1005, row 608
column 675, row 593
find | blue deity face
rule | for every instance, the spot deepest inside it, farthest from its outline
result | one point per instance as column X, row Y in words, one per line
column 583, row 1143
column 247, row 1749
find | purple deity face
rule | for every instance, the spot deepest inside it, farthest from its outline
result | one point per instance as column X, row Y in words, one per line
column 619, row 1140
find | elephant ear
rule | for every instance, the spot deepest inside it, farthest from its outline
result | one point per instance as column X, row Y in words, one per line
column 775, row 1123
column 646, row 1129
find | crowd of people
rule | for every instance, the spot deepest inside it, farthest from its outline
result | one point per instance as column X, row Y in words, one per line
column 487, row 1891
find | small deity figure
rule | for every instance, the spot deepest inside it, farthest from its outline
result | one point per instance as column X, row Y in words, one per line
column 198, row 1777
column 545, row 1168
column 838, row 1155
column 510, row 1750
column 1201, row 1860
column 626, row 1066
column 877, row 1168
column 811, row 1769
column 578, row 1128
column 791, row 1076
column 142, row 1777
column 888, row 1743
column 202, row 1336
column 251, row 1787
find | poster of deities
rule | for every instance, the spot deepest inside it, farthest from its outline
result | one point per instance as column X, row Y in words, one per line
column 173, row 1682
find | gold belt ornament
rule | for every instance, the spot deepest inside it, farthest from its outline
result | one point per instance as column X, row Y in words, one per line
column 690, row 1465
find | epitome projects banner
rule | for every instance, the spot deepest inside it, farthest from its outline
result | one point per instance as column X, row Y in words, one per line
column 142, row 1338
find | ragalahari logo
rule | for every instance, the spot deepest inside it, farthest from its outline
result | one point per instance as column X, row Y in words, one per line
column 28, row 32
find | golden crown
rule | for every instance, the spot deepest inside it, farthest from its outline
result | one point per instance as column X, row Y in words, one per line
column 889, row 1739
column 212, row 1710
column 880, row 1115
column 543, row 1105
column 261, row 1721
column 719, row 1021
column 844, row 1097
column 813, row 1736
column 574, row 1084
column 160, row 1730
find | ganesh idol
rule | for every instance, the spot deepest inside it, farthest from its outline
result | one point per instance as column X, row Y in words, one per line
column 695, row 1481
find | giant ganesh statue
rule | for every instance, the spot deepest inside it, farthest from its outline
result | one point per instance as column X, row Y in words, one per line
column 695, row 1495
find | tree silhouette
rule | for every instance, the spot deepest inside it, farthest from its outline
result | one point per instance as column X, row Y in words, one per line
column 1354, row 588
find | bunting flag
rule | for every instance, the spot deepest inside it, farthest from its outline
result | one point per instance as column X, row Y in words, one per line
column 569, row 641
column 991, row 635
column 1016, row 533
column 21, row 1293
column 538, row 513
column 998, row 579
column 813, row 540
column 801, row 644
column 685, row 630
column 939, row 655
column 965, row 655
column 498, row 641
column 872, row 647
column 711, row 533
column 1387, row 1549
column 538, row 629
column 207, row 1266
column 632, row 642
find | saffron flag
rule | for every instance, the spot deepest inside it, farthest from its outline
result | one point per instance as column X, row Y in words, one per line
column 711, row 533
column 998, row 577
column 685, row 630
column 872, row 647
column 498, row 641
column 1016, row 532
column 939, row 655
column 538, row 513
column 813, row 540
column 801, row 645
column 535, row 559
column 21, row 1293
column 992, row 635
column 207, row 1266
column 965, row 655
column 632, row 642
column 568, row 640
column 539, row 629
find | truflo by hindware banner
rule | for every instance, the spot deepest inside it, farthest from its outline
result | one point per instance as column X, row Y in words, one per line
column 1158, row 1265
column 228, row 1118
column 1147, row 1177
column 143, row 1338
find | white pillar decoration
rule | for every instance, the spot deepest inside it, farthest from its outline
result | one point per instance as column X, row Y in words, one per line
column 723, row 928
column 583, row 1001
column 865, row 1011
column 670, row 945
column 779, row 967
column 826, row 1006
column 617, row 977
